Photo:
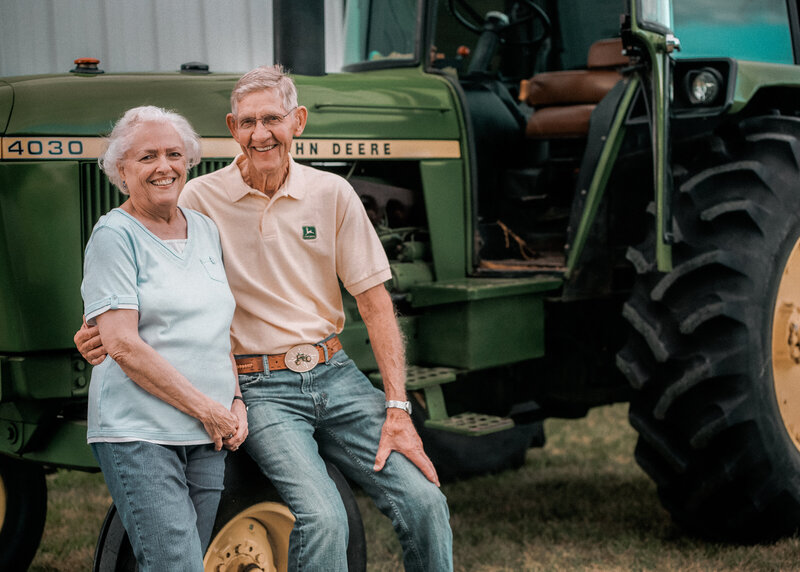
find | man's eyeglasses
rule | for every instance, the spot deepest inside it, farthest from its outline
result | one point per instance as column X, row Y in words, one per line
column 267, row 120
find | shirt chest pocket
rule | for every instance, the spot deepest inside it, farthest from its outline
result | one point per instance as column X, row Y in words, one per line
column 214, row 268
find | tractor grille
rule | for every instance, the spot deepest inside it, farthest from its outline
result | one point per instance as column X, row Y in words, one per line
column 98, row 195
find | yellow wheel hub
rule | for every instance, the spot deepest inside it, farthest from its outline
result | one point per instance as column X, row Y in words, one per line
column 786, row 345
column 253, row 540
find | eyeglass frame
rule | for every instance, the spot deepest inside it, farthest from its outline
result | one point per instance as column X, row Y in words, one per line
column 267, row 121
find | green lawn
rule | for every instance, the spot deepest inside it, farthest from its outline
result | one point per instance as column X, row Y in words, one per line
column 580, row 503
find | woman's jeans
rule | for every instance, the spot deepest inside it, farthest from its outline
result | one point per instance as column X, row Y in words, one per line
column 167, row 498
column 333, row 411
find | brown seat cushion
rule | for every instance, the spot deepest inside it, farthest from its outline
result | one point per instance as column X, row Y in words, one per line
column 564, row 100
column 560, row 121
column 607, row 54
column 568, row 87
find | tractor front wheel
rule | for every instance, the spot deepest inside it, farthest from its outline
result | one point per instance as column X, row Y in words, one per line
column 714, row 354
column 23, row 507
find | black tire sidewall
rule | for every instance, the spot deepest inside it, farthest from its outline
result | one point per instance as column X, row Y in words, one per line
column 26, row 509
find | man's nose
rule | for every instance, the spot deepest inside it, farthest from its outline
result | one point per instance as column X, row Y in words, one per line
column 262, row 131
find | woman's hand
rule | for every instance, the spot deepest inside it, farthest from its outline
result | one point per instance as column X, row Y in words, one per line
column 219, row 423
column 239, row 409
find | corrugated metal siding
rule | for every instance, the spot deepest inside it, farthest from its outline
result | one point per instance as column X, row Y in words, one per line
column 46, row 36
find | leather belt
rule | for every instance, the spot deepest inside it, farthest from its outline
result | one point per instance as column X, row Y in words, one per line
column 300, row 358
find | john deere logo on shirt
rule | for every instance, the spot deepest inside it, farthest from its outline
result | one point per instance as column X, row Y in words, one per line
column 309, row 232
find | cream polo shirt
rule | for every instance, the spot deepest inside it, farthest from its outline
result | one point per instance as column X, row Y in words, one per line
column 284, row 256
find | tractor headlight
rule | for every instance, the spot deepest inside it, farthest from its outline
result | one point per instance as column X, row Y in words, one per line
column 703, row 85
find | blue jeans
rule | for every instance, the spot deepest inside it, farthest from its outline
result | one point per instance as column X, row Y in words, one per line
column 167, row 498
column 333, row 411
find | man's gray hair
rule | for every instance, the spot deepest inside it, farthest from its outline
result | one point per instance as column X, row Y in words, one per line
column 265, row 77
column 119, row 140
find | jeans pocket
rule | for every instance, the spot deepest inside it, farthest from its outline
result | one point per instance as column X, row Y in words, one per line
column 340, row 359
column 249, row 379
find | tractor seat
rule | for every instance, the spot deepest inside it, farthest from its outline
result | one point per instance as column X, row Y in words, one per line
column 564, row 100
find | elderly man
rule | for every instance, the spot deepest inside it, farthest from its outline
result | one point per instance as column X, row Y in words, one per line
column 289, row 233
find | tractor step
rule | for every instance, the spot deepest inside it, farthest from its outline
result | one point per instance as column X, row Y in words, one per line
column 418, row 377
column 472, row 424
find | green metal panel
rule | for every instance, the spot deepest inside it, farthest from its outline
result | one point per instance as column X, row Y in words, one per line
column 395, row 104
column 605, row 165
column 753, row 76
column 30, row 431
column 44, row 376
column 65, row 447
column 6, row 103
column 658, row 48
column 445, row 202
column 479, row 323
column 356, row 343
column 40, row 250
column 474, row 289
column 483, row 333
column 83, row 105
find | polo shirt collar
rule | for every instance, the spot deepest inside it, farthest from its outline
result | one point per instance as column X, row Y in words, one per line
column 292, row 186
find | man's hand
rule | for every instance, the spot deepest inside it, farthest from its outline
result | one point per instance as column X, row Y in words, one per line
column 398, row 434
column 88, row 342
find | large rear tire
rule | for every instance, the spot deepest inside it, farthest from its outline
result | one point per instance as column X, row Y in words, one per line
column 714, row 356
column 23, row 508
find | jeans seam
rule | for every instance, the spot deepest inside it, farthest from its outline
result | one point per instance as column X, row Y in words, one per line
column 370, row 474
column 126, row 490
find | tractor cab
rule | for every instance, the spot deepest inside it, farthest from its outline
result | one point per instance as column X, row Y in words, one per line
column 530, row 76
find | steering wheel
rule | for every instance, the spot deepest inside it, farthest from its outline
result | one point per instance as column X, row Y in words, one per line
column 537, row 14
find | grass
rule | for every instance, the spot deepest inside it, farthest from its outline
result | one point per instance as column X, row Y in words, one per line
column 580, row 503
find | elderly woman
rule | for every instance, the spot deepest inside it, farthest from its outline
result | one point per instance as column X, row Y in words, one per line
column 167, row 401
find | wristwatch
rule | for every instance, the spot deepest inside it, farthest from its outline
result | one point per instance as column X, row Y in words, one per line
column 404, row 405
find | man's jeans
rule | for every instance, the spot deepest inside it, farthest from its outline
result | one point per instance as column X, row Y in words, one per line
column 167, row 499
column 333, row 411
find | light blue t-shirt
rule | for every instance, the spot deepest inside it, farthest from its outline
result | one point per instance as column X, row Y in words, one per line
column 185, row 310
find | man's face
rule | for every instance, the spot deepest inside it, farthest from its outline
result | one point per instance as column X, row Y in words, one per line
column 265, row 130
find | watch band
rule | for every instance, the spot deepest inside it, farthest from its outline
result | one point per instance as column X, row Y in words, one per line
column 404, row 405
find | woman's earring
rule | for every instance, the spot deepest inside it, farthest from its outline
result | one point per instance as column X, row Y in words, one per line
column 124, row 186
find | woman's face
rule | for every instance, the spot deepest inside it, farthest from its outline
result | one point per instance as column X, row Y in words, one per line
column 154, row 168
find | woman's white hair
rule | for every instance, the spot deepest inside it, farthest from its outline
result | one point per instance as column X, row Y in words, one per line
column 265, row 77
column 119, row 140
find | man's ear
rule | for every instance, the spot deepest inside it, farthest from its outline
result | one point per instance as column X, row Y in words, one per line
column 300, row 117
column 230, row 121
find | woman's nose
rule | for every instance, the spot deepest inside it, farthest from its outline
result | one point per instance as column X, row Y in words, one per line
column 163, row 163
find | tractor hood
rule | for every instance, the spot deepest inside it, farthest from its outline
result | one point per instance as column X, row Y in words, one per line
column 6, row 103
column 395, row 104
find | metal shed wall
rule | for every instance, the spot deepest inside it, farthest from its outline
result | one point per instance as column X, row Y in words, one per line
column 46, row 36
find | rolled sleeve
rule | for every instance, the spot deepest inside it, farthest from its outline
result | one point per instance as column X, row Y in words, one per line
column 361, row 261
column 109, row 274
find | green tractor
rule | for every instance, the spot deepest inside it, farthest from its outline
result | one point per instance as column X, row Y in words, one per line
column 583, row 203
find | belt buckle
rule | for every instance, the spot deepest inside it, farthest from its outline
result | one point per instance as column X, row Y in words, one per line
column 302, row 358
